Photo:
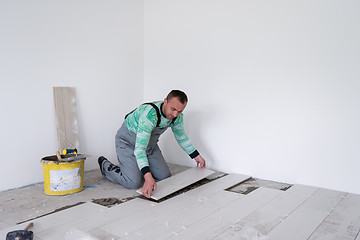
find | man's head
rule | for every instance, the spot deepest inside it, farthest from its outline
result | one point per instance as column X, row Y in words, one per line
column 178, row 94
column 174, row 104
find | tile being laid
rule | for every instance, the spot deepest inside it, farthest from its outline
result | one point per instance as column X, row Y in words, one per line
column 178, row 182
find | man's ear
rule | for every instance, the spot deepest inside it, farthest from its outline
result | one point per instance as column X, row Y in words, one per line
column 165, row 101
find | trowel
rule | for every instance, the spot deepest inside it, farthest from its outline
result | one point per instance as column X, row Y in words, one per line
column 69, row 157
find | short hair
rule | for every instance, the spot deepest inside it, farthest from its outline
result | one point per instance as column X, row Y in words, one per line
column 179, row 94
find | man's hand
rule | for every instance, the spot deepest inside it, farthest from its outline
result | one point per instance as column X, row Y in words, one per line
column 149, row 185
column 200, row 161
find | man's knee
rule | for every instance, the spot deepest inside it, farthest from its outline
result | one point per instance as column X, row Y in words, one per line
column 134, row 183
column 161, row 175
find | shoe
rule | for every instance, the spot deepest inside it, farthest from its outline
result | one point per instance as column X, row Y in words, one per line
column 100, row 161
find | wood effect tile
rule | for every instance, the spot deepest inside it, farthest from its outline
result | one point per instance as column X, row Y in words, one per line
column 95, row 219
column 138, row 220
column 307, row 217
column 58, row 218
column 226, row 217
column 342, row 223
column 184, row 218
column 259, row 223
column 178, row 181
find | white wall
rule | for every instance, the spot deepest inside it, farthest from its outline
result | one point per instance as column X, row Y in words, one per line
column 94, row 46
column 273, row 85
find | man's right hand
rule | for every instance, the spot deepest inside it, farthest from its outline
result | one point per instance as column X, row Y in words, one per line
column 149, row 185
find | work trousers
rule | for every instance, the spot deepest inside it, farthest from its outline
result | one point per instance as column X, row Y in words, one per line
column 128, row 173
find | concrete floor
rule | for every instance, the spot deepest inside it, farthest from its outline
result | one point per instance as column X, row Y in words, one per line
column 216, row 208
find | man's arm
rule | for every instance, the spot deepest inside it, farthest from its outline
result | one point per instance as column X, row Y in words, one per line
column 185, row 143
column 143, row 135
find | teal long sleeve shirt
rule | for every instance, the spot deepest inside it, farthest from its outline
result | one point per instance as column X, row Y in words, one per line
column 143, row 121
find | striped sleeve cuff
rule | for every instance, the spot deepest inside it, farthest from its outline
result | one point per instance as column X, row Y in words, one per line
column 194, row 154
column 145, row 170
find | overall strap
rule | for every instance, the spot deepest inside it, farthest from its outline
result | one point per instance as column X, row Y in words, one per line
column 157, row 113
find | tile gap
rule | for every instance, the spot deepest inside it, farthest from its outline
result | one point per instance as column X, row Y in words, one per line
column 56, row 210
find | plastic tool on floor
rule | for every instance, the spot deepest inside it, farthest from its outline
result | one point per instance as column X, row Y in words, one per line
column 21, row 234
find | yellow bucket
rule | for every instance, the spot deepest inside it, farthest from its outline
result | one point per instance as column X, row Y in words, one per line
column 61, row 177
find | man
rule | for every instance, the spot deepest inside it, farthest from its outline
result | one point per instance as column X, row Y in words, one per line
column 137, row 150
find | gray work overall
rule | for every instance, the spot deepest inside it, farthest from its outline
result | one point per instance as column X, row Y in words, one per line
column 128, row 173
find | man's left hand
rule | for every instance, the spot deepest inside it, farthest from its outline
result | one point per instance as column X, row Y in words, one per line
column 200, row 161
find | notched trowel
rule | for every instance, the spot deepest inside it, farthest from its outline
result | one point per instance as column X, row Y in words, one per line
column 69, row 157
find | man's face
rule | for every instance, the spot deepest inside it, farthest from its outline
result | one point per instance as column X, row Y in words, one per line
column 173, row 108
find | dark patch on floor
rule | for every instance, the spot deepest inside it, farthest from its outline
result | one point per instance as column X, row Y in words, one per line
column 109, row 202
column 252, row 184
